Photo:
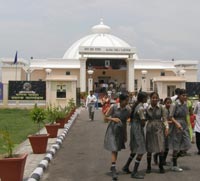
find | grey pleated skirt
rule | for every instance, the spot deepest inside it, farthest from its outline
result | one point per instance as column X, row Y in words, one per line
column 180, row 139
column 115, row 137
column 137, row 138
column 155, row 138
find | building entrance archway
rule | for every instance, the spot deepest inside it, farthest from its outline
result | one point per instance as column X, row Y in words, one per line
column 109, row 74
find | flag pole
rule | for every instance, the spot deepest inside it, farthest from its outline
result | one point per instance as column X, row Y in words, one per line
column 15, row 62
column 16, row 72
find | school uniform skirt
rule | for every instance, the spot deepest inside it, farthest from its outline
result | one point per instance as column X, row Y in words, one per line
column 155, row 137
column 180, row 139
column 137, row 138
column 115, row 137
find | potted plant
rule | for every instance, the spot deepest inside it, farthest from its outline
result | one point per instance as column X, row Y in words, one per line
column 72, row 106
column 11, row 165
column 83, row 96
column 61, row 116
column 51, row 126
column 38, row 141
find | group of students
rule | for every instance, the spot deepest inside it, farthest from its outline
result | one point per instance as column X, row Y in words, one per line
column 155, row 128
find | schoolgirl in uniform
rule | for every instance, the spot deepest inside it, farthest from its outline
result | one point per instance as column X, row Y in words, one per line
column 179, row 139
column 167, row 104
column 156, row 130
column 116, row 133
column 137, row 138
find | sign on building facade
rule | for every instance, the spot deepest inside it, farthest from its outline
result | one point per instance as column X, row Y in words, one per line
column 27, row 90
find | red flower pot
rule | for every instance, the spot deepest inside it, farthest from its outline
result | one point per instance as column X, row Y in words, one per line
column 52, row 129
column 12, row 169
column 62, row 122
column 39, row 143
column 67, row 118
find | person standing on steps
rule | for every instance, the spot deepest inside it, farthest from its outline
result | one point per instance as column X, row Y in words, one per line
column 90, row 104
column 156, row 129
column 137, row 138
column 116, row 133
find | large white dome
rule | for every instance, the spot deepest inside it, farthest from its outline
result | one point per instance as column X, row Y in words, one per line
column 101, row 37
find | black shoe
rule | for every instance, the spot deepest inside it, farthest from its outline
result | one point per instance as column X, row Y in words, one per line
column 126, row 170
column 114, row 179
column 181, row 154
column 137, row 175
column 155, row 159
column 165, row 163
column 162, row 170
column 114, row 173
column 198, row 152
column 148, row 170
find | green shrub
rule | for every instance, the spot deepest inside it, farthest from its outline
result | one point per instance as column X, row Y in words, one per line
column 7, row 144
column 38, row 116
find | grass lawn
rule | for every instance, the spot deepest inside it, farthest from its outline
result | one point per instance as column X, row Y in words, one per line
column 19, row 124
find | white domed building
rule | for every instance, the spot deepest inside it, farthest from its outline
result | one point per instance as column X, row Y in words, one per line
column 99, row 61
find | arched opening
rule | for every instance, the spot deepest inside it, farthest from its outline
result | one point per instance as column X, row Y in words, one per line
column 109, row 75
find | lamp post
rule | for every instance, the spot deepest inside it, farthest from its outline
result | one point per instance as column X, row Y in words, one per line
column 48, row 71
column 144, row 83
column 48, row 85
column 28, row 70
column 90, row 80
column 182, row 72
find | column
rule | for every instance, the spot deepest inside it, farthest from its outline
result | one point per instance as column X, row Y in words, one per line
column 144, row 80
column 90, row 84
column 130, row 75
column 83, row 74
column 48, row 87
column 5, row 94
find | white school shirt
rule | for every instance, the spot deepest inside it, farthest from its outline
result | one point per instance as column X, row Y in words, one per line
column 90, row 99
column 197, row 112
column 173, row 98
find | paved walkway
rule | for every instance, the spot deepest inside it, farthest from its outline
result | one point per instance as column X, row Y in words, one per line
column 83, row 158
column 33, row 160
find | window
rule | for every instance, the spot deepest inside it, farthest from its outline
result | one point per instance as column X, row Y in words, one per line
column 68, row 73
column 162, row 73
column 61, row 91
column 170, row 90
column 107, row 63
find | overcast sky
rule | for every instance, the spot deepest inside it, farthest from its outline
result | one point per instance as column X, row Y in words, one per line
column 159, row 29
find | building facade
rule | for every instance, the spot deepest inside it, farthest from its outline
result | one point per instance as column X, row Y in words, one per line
column 100, row 62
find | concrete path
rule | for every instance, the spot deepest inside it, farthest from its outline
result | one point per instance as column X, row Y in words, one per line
column 83, row 158
column 36, row 163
